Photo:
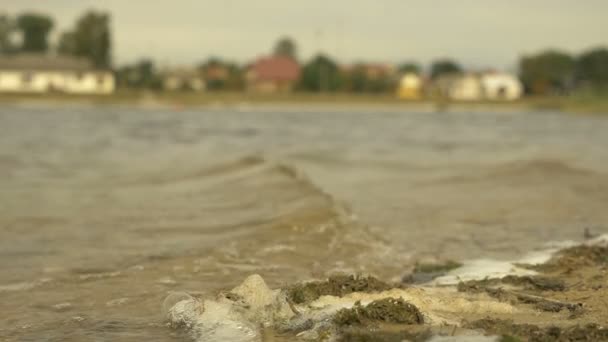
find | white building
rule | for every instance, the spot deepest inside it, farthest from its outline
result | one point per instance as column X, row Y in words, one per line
column 183, row 79
column 36, row 73
column 410, row 86
column 501, row 86
column 466, row 88
column 476, row 87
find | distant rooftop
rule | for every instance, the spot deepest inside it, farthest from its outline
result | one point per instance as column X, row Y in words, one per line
column 276, row 68
column 44, row 62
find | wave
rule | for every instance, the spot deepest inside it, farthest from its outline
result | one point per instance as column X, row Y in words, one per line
column 541, row 168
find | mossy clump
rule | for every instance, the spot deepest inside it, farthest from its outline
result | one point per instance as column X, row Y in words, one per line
column 574, row 257
column 582, row 256
column 539, row 283
column 436, row 267
column 365, row 335
column 337, row 285
column 387, row 310
column 533, row 333
column 509, row 338
column 534, row 283
column 425, row 272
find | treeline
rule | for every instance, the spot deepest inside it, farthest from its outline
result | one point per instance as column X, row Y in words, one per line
column 545, row 73
column 321, row 73
column 146, row 74
column 555, row 72
column 29, row 32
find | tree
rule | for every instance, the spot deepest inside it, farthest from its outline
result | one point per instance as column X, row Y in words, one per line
column 222, row 75
column 142, row 74
column 320, row 74
column 7, row 28
column 286, row 47
column 409, row 67
column 443, row 67
column 35, row 29
column 550, row 71
column 91, row 39
column 369, row 78
column 355, row 80
column 67, row 43
column 592, row 67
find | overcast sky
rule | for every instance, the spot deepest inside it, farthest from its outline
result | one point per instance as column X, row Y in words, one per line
column 477, row 33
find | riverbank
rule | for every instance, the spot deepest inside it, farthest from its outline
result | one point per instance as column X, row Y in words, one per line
column 554, row 295
column 575, row 104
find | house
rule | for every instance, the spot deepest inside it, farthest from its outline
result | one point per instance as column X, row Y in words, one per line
column 479, row 86
column 501, row 86
column 442, row 85
column 273, row 74
column 183, row 79
column 37, row 73
column 410, row 86
column 466, row 87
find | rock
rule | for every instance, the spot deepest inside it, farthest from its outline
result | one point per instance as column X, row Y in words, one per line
column 181, row 309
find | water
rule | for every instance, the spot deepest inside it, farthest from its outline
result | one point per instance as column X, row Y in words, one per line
column 105, row 211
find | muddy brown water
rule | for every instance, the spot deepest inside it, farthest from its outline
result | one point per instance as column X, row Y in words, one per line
column 104, row 211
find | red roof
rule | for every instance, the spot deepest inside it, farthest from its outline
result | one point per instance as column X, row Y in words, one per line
column 276, row 68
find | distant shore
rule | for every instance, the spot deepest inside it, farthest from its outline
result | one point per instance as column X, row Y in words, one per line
column 243, row 101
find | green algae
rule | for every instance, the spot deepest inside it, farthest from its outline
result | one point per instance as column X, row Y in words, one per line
column 535, row 283
column 425, row 272
column 509, row 338
column 337, row 285
column 538, row 284
column 366, row 335
column 573, row 257
column 436, row 267
column 387, row 310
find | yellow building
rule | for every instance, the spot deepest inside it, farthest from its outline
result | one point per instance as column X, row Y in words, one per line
column 410, row 87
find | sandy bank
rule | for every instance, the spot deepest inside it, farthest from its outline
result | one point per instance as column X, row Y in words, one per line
column 556, row 295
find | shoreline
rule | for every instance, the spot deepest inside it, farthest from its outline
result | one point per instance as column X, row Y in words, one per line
column 306, row 101
column 551, row 295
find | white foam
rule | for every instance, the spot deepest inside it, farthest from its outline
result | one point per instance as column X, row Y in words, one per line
column 601, row 240
column 24, row 285
column 480, row 269
column 235, row 316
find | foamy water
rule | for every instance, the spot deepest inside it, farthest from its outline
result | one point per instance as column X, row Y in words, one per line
column 105, row 211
